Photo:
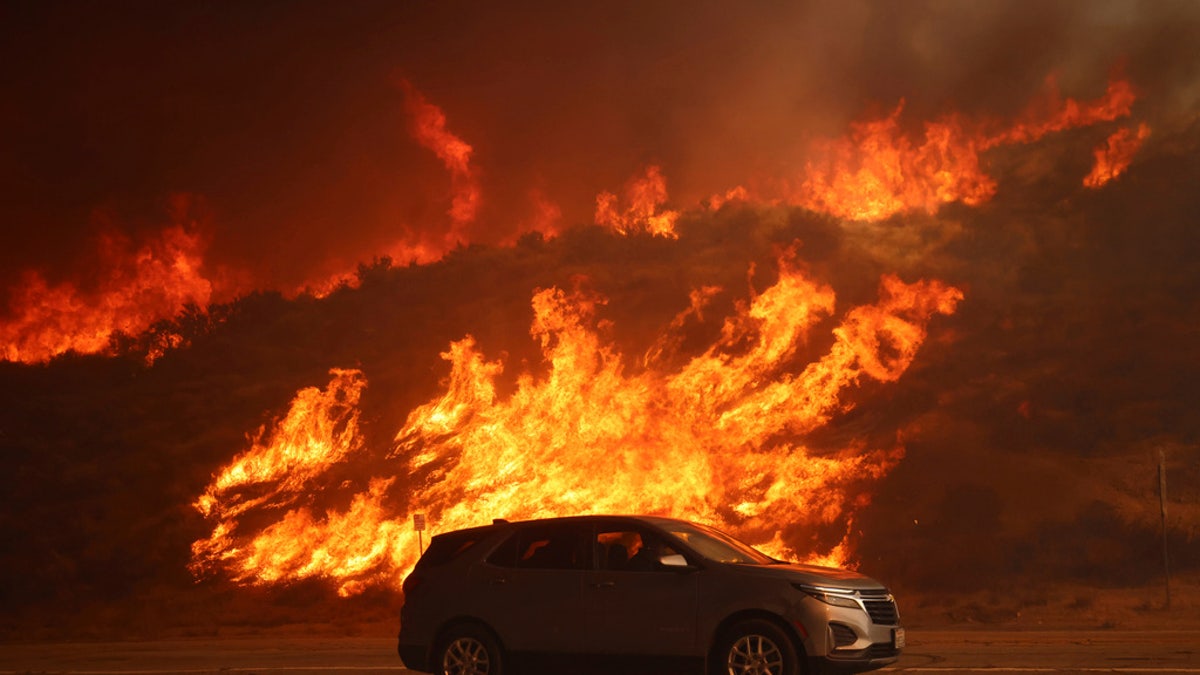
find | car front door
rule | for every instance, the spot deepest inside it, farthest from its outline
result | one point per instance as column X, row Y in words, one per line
column 633, row 603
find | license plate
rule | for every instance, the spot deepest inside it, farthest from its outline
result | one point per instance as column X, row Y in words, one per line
column 898, row 638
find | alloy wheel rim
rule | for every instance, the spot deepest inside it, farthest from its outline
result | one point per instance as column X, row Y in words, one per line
column 466, row 656
column 755, row 655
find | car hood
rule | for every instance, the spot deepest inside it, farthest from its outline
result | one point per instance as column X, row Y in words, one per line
column 813, row 574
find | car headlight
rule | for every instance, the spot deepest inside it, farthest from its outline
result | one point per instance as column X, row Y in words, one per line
column 838, row 597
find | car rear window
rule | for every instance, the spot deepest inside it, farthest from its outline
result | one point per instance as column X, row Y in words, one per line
column 447, row 547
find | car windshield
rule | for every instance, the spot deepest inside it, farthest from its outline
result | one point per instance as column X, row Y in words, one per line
column 716, row 545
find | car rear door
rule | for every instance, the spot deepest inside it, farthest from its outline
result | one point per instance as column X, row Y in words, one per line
column 530, row 587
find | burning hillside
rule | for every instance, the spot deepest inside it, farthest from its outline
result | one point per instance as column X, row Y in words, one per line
column 717, row 441
column 874, row 172
column 712, row 441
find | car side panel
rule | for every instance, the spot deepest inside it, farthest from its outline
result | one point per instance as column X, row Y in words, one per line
column 529, row 609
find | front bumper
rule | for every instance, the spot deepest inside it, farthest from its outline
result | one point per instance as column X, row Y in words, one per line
column 877, row 655
column 847, row 639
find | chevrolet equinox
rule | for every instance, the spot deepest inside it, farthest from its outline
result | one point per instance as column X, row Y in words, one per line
column 640, row 589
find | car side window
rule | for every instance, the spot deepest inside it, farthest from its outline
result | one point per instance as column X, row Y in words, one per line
column 554, row 547
column 623, row 549
column 505, row 554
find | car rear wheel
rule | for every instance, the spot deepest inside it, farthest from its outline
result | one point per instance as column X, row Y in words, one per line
column 755, row 647
column 469, row 650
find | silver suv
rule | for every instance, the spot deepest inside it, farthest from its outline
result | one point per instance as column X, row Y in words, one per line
column 635, row 590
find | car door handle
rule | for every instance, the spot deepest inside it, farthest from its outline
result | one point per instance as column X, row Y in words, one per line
column 601, row 585
column 498, row 581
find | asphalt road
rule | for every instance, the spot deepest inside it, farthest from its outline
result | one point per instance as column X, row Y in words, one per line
column 968, row 652
column 1161, row 652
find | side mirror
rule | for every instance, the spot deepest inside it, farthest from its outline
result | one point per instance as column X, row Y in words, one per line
column 675, row 562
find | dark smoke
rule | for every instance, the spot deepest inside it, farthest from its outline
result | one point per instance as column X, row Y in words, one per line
column 287, row 119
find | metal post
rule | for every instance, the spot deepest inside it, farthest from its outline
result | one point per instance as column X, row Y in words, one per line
column 1162, row 500
column 419, row 526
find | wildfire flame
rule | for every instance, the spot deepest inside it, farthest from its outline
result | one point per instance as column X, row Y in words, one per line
column 1051, row 113
column 716, row 440
column 429, row 129
column 135, row 287
column 644, row 196
column 321, row 428
column 734, row 194
column 877, row 171
column 1115, row 155
column 717, row 437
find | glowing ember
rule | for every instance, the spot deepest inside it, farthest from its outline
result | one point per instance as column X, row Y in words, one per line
column 1115, row 155
column 640, row 212
column 878, row 171
column 718, row 440
column 135, row 289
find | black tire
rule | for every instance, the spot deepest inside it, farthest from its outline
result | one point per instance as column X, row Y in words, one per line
column 468, row 649
column 755, row 647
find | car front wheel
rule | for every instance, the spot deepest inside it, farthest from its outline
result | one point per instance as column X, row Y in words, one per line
column 469, row 650
column 755, row 647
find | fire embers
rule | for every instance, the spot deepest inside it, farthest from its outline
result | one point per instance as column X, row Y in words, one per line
column 717, row 438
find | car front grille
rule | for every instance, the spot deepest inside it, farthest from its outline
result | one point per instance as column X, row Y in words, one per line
column 880, row 606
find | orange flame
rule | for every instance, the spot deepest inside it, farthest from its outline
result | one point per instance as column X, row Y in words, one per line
column 643, row 197
column 320, row 429
column 878, row 171
column 135, row 289
column 546, row 218
column 1115, row 155
column 1052, row 114
column 737, row 193
column 717, row 440
column 429, row 129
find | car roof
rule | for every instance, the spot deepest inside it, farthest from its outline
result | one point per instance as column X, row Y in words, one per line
column 499, row 523
column 658, row 520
